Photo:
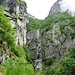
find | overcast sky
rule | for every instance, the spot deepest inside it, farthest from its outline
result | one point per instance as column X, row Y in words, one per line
column 39, row 8
column 68, row 4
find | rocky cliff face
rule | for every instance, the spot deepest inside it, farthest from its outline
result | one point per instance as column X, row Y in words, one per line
column 34, row 43
column 53, row 43
column 55, row 9
column 17, row 13
column 5, row 53
column 56, row 40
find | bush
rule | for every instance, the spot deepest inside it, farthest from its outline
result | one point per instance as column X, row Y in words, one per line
column 17, row 66
column 49, row 61
column 72, row 53
column 67, row 67
column 50, row 72
column 19, row 51
column 27, row 53
column 7, row 33
column 33, row 25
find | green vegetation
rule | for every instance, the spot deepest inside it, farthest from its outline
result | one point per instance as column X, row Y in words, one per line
column 7, row 33
column 33, row 25
column 21, row 63
column 27, row 53
column 66, row 67
column 68, row 64
column 49, row 61
column 18, row 1
column 50, row 21
column 67, row 27
column 21, row 1
column 18, row 66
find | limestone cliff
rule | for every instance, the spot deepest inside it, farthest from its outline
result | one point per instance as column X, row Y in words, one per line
column 17, row 13
column 55, row 9
column 56, row 36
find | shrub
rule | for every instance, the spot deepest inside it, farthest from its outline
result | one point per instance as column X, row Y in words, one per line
column 72, row 53
column 50, row 72
column 67, row 67
column 27, row 53
column 17, row 66
column 49, row 61
column 7, row 33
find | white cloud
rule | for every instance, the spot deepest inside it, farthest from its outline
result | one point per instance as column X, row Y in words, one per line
column 39, row 8
column 68, row 4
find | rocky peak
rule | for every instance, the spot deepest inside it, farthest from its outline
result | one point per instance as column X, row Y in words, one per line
column 55, row 9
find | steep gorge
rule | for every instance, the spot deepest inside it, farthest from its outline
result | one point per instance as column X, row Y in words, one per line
column 49, row 41
column 56, row 36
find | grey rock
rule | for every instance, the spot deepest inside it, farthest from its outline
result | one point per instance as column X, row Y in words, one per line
column 55, row 9
column 17, row 13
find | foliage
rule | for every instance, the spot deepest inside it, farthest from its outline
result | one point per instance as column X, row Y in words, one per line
column 18, row 1
column 50, row 21
column 33, row 25
column 57, row 31
column 49, row 61
column 72, row 53
column 19, row 51
column 67, row 67
column 50, row 72
column 47, row 24
column 21, row 64
column 1, row 9
column 23, row 2
column 27, row 53
column 17, row 66
column 7, row 33
column 1, row 70
column 62, row 17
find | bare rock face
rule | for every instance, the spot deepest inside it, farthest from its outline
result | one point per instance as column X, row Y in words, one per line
column 55, row 9
column 57, row 44
column 34, row 43
column 17, row 13
column 51, row 44
column 4, row 53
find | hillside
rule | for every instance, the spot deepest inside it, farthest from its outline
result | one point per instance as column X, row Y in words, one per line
column 29, row 46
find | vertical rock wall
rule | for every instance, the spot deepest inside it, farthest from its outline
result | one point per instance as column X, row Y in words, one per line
column 17, row 13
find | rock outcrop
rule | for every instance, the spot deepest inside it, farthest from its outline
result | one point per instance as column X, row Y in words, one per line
column 17, row 13
column 5, row 53
column 55, row 9
column 34, row 43
column 55, row 39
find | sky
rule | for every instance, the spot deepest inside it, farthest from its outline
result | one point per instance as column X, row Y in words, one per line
column 68, row 4
column 39, row 8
